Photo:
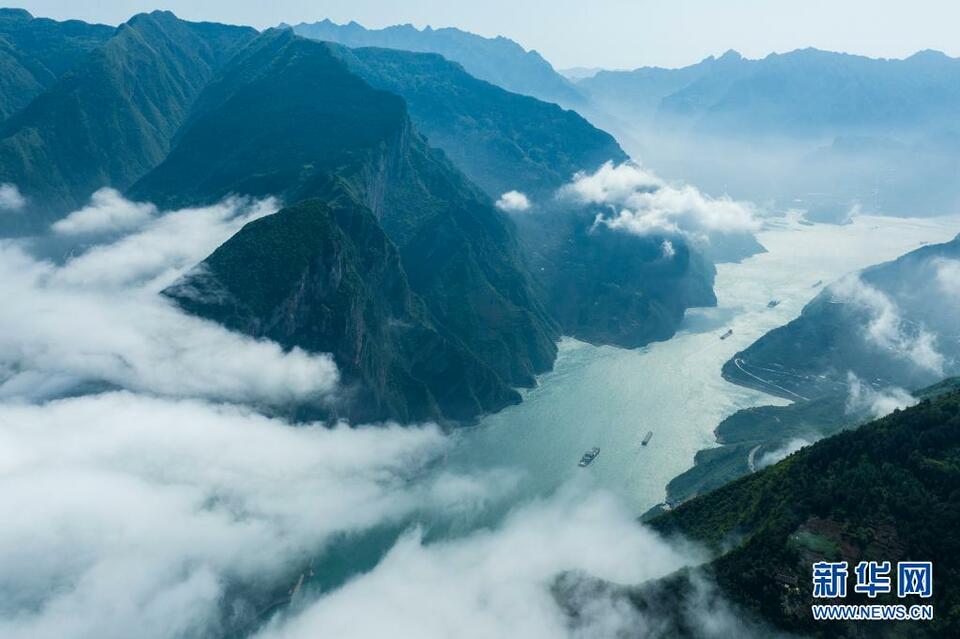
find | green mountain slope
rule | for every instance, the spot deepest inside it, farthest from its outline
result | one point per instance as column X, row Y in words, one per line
column 324, row 277
column 112, row 118
column 34, row 52
column 288, row 118
column 884, row 492
column 752, row 438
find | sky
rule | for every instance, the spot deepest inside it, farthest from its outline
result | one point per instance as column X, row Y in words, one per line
column 601, row 33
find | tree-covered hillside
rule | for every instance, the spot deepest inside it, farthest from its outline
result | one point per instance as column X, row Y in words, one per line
column 113, row 117
column 34, row 52
column 888, row 491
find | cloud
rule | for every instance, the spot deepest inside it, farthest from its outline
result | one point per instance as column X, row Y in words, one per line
column 164, row 248
column 667, row 250
column 167, row 515
column 781, row 453
column 948, row 276
column 887, row 328
column 98, row 319
column 641, row 203
column 108, row 212
column 862, row 399
column 497, row 583
column 10, row 197
column 172, row 506
column 513, row 201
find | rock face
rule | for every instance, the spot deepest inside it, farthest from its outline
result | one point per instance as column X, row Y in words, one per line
column 323, row 276
column 112, row 118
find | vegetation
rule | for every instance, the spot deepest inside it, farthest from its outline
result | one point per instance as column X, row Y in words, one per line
column 288, row 118
column 888, row 491
column 324, row 277
column 34, row 52
column 113, row 117
column 183, row 114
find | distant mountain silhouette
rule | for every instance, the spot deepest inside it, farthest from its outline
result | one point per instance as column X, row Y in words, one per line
column 500, row 60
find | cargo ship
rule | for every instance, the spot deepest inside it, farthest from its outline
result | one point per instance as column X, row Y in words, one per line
column 727, row 334
column 589, row 456
column 646, row 438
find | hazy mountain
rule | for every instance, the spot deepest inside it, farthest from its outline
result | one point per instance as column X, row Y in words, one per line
column 34, row 52
column 111, row 118
column 288, row 118
column 636, row 95
column 502, row 141
column 575, row 74
column 811, row 93
column 894, row 324
column 499, row 60
column 805, row 128
column 883, row 492
column 806, row 93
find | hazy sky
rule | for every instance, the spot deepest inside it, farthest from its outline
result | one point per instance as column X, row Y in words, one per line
column 607, row 33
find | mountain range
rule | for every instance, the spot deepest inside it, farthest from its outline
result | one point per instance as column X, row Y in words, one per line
column 811, row 129
column 399, row 156
column 499, row 60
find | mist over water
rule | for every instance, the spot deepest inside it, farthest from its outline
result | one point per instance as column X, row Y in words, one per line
column 609, row 397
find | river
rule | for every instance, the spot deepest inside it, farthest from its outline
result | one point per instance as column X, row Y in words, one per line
column 610, row 397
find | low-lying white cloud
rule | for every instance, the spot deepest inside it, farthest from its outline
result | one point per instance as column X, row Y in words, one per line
column 108, row 212
column 667, row 250
column 162, row 250
column 887, row 329
column 639, row 202
column 513, row 202
column 497, row 583
column 863, row 399
column 175, row 508
column 132, row 512
column 99, row 318
column 10, row 197
column 779, row 454
column 948, row 276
